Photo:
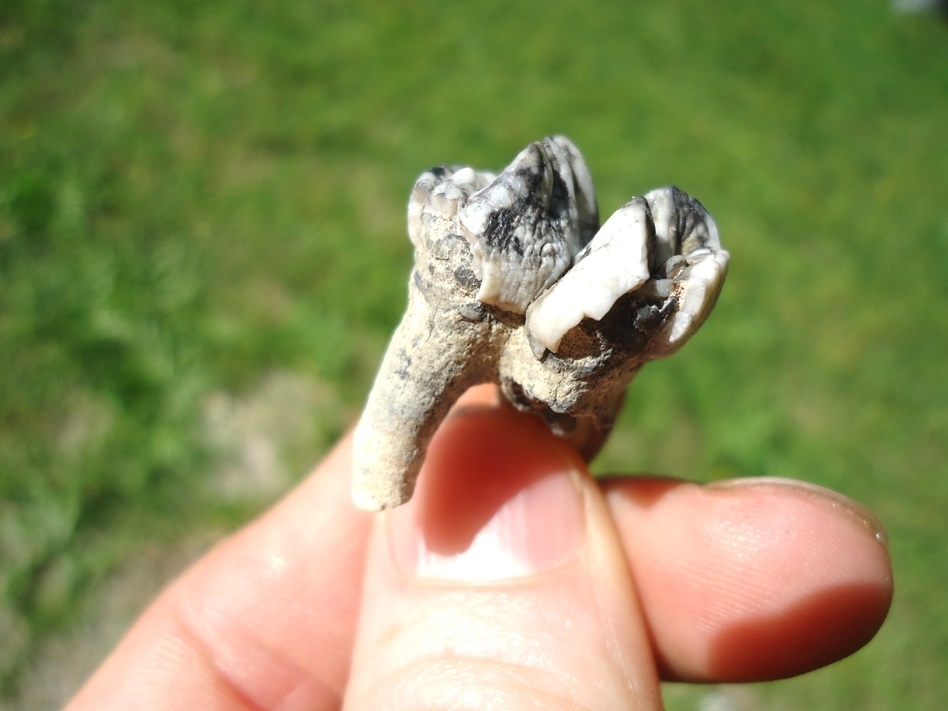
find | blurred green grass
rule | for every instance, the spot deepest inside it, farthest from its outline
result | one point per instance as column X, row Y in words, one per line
column 195, row 195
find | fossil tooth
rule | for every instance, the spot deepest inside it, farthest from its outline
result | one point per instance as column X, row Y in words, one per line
column 515, row 283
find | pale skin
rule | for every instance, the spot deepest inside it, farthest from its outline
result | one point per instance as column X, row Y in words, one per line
column 610, row 587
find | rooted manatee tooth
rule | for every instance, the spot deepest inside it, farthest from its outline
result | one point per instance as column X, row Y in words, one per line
column 514, row 283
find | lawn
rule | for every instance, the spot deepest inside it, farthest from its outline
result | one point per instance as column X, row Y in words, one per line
column 202, row 253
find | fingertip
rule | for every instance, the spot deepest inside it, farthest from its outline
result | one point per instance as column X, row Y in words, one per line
column 485, row 395
column 759, row 580
column 841, row 588
column 859, row 515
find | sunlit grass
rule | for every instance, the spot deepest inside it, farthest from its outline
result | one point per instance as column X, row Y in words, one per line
column 196, row 195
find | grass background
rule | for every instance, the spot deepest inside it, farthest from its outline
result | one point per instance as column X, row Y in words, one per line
column 198, row 200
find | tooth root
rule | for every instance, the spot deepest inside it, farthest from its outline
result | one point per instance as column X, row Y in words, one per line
column 426, row 368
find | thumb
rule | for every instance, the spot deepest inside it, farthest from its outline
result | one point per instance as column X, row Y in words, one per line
column 502, row 584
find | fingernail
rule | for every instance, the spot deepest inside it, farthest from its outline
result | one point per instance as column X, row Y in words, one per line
column 498, row 499
column 857, row 512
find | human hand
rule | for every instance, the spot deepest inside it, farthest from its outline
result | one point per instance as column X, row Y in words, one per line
column 511, row 580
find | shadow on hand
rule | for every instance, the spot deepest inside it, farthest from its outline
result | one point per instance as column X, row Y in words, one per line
column 816, row 631
column 750, row 583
